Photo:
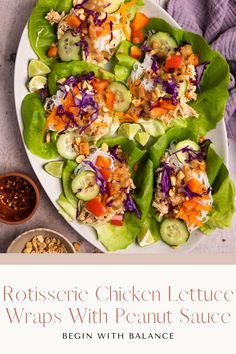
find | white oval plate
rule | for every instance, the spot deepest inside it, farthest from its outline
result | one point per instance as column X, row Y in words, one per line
column 52, row 185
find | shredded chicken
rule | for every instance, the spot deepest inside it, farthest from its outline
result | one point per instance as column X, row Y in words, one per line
column 54, row 17
column 151, row 83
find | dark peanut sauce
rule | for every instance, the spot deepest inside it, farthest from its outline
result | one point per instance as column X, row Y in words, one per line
column 16, row 195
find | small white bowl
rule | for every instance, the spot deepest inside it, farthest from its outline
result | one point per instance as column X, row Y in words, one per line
column 18, row 244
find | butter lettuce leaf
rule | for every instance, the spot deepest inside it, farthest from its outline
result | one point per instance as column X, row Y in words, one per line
column 33, row 115
column 116, row 238
column 41, row 34
column 120, row 237
column 223, row 189
column 74, row 68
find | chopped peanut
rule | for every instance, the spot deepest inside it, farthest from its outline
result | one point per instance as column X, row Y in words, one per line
column 84, row 148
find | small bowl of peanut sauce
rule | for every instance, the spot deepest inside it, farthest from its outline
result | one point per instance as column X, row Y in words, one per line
column 19, row 198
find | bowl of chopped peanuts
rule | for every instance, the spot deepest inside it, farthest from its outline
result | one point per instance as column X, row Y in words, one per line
column 41, row 241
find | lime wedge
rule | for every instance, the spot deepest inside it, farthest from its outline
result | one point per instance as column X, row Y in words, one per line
column 37, row 83
column 37, row 67
column 154, row 128
column 129, row 130
column 54, row 168
column 145, row 239
column 142, row 138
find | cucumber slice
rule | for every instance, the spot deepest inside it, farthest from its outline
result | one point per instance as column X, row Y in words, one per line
column 174, row 232
column 183, row 156
column 131, row 12
column 123, row 96
column 67, row 50
column 84, row 186
column 66, row 206
column 63, row 213
column 154, row 128
column 182, row 89
column 65, row 145
column 166, row 42
column 113, row 6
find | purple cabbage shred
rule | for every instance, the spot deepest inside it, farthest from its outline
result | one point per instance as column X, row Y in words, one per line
column 43, row 94
column 84, row 44
column 145, row 48
column 100, row 180
column 111, row 29
column 98, row 22
column 79, row 6
column 165, row 180
column 130, row 206
column 154, row 65
column 170, row 87
column 87, row 101
column 192, row 195
column 200, row 71
column 113, row 152
column 196, row 155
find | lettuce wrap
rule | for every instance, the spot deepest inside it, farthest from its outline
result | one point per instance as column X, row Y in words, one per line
column 213, row 93
column 33, row 112
column 120, row 237
column 96, row 33
column 223, row 189
column 41, row 34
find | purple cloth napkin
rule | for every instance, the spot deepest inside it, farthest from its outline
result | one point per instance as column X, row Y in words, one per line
column 215, row 20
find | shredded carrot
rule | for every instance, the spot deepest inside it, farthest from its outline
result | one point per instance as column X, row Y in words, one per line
column 68, row 102
column 196, row 222
column 191, row 210
column 202, row 166
column 127, row 116
column 52, row 118
column 101, row 124
column 122, row 10
column 111, row 18
column 187, row 94
column 61, row 122
column 76, row 90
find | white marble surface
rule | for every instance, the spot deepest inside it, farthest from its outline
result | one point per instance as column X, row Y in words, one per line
column 13, row 158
